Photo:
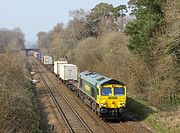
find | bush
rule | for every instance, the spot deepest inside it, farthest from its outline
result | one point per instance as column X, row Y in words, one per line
column 110, row 56
column 18, row 109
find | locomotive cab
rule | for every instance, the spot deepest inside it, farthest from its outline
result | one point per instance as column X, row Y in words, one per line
column 112, row 96
column 112, row 100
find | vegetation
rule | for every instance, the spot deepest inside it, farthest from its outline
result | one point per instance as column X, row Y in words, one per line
column 18, row 104
column 11, row 40
column 141, row 50
column 148, row 39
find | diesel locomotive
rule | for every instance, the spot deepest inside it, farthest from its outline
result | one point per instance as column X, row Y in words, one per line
column 106, row 96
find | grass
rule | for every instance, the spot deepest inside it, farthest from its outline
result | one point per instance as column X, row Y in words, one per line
column 151, row 116
column 156, row 125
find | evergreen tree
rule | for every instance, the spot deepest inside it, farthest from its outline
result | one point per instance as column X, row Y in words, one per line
column 149, row 16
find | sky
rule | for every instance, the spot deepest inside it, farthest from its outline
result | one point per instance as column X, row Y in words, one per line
column 32, row 16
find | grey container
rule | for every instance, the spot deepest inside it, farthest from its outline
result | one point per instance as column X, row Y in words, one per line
column 68, row 72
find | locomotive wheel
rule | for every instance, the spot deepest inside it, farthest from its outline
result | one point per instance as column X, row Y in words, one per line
column 98, row 111
column 93, row 106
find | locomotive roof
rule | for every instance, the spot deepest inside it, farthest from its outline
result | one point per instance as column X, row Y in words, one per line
column 98, row 79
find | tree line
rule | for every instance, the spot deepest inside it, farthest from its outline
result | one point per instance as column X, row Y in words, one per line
column 11, row 40
column 19, row 111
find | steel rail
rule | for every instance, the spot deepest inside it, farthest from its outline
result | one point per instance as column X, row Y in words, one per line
column 69, row 104
column 54, row 100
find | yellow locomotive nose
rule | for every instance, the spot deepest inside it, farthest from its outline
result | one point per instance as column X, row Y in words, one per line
column 113, row 104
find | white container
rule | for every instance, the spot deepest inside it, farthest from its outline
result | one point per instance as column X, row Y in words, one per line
column 47, row 60
column 68, row 72
column 57, row 66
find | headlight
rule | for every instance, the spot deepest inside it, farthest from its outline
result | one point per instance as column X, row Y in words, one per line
column 122, row 104
column 103, row 104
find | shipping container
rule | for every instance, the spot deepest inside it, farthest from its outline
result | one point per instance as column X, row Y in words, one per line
column 42, row 59
column 38, row 57
column 47, row 60
column 68, row 72
column 57, row 66
column 35, row 54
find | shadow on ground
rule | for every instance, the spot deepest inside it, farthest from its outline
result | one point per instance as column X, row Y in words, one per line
column 137, row 111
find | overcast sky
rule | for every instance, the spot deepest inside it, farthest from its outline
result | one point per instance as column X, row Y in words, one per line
column 33, row 16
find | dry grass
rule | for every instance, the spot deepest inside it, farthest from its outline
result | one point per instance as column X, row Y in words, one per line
column 170, row 119
column 165, row 122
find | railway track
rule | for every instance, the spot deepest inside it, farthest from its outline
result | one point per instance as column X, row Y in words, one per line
column 78, row 121
column 102, row 125
column 114, row 127
column 73, row 120
column 97, row 125
column 121, row 126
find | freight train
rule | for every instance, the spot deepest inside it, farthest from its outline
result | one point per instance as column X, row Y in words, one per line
column 105, row 96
